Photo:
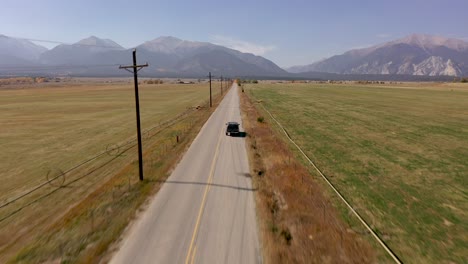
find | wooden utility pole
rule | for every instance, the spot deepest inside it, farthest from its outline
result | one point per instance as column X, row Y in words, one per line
column 136, row 68
column 209, row 75
column 221, row 85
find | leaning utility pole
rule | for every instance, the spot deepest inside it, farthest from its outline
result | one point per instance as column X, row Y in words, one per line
column 209, row 75
column 136, row 68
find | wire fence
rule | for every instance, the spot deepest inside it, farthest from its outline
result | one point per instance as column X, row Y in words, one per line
column 58, row 179
column 322, row 207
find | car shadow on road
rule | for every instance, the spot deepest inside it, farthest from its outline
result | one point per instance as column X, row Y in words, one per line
column 212, row 184
column 247, row 175
column 240, row 134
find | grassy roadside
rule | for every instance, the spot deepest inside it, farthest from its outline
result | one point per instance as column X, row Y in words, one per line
column 396, row 152
column 297, row 222
column 107, row 195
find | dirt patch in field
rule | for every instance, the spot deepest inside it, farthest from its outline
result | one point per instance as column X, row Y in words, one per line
column 298, row 224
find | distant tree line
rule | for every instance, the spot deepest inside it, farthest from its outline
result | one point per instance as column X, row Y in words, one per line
column 157, row 81
column 246, row 81
column 369, row 82
column 462, row 80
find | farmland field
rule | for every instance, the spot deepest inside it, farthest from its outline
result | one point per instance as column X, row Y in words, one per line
column 397, row 152
column 47, row 130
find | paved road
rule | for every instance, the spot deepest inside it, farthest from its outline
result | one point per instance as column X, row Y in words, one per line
column 205, row 211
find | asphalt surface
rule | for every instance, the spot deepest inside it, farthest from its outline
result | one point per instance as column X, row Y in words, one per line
column 205, row 211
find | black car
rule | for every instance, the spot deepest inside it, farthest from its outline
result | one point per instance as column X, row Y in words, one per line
column 232, row 128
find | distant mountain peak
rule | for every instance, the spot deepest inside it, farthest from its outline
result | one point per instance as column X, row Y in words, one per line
column 415, row 54
column 166, row 38
column 20, row 48
column 95, row 41
column 423, row 39
column 426, row 41
column 171, row 45
column 418, row 38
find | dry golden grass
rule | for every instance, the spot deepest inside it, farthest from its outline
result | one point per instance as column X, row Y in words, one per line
column 297, row 222
column 16, row 80
column 77, row 220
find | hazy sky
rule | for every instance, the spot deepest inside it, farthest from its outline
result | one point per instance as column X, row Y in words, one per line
column 289, row 32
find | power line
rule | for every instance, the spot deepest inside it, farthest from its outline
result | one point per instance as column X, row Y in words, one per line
column 169, row 123
column 59, row 67
column 76, row 166
column 64, row 43
column 56, row 189
column 56, row 177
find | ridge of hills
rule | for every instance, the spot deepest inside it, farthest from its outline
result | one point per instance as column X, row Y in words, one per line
column 415, row 57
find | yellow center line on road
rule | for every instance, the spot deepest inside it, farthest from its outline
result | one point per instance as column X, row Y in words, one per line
column 191, row 255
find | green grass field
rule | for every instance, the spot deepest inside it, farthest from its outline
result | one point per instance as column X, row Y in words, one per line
column 398, row 153
column 48, row 129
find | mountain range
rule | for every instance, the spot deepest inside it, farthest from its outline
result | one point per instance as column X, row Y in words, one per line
column 417, row 54
column 406, row 58
column 18, row 51
column 166, row 56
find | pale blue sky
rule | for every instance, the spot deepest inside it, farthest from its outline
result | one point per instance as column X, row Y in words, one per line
column 292, row 32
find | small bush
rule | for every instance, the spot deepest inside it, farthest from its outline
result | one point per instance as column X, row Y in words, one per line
column 274, row 207
column 287, row 236
column 273, row 228
column 260, row 119
column 464, row 80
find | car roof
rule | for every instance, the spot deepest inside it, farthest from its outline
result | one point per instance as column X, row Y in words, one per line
column 232, row 123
